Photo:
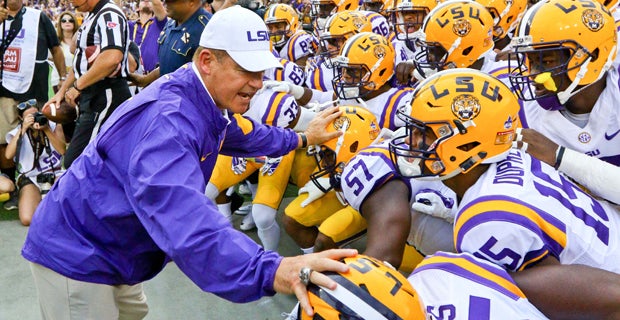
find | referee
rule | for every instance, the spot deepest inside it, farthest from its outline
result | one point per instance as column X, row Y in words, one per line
column 98, row 83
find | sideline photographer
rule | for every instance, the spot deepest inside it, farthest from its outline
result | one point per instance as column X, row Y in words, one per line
column 37, row 146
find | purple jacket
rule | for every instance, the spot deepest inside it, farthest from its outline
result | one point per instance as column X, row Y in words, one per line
column 135, row 198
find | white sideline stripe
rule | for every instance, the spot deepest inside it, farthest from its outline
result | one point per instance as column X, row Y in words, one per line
column 350, row 300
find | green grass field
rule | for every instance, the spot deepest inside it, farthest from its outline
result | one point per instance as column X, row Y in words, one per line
column 6, row 215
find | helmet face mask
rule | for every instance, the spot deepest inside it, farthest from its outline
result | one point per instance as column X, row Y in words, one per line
column 541, row 71
column 322, row 8
column 430, row 58
column 459, row 118
column 282, row 22
column 351, row 81
column 328, row 167
column 278, row 33
column 415, row 152
column 408, row 21
column 407, row 16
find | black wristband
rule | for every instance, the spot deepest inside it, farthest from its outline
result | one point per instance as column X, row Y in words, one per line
column 304, row 140
column 75, row 86
column 558, row 157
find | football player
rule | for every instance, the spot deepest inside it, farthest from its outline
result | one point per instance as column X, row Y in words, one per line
column 338, row 28
column 513, row 210
column 318, row 199
column 562, row 68
column 288, row 39
column 455, row 34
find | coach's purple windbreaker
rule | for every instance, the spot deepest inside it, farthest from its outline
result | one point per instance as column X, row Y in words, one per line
column 135, row 198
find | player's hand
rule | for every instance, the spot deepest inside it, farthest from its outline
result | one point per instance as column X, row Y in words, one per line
column 270, row 166
column 283, row 86
column 433, row 203
column 313, row 191
column 536, row 144
column 239, row 165
column 404, row 72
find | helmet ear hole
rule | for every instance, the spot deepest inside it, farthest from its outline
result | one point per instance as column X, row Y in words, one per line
column 468, row 146
column 595, row 54
column 353, row 147
column 467, row 50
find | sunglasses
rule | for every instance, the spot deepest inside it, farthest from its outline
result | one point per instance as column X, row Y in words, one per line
column 67, row 20
column 23, row 106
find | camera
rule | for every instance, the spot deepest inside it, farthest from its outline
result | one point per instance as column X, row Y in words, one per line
column 40, row 118
column 45, row 181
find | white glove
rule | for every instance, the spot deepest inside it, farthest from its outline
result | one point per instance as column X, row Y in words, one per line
column 313, row 191
column 433, row 203
column 238, row 165
column 270, row 166
column 283, row 86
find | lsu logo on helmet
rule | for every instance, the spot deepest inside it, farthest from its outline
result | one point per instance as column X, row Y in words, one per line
column 593, row 19
column 465, row 107
column 461, row 27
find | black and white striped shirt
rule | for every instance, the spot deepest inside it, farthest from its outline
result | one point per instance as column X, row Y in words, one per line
column 105, row 27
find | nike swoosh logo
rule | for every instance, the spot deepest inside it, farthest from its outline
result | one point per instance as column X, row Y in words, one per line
column 611, row 136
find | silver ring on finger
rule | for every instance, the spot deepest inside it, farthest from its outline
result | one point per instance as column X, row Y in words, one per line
column 304, row 275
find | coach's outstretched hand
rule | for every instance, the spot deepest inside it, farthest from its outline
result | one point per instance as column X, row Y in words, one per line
column 288, row 278
column 316, row 132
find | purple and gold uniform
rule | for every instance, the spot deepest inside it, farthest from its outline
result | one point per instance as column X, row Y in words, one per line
column 521, row 211
column 301, row 44
column 461, row 286
column 370, row 169
column 319, row 76
column 290, row 72
column 598, row 137
column 271, row 108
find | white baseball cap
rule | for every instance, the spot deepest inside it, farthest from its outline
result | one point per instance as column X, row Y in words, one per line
column 243, row 35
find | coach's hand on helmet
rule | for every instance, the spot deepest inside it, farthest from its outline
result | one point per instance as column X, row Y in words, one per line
column 316, row 133
column 287, row 279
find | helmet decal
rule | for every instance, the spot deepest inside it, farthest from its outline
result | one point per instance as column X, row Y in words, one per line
column 341, row 122
column 593, row 19
column 461, row 27
column 465, row 107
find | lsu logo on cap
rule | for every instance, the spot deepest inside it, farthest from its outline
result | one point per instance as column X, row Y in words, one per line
column 260, row 35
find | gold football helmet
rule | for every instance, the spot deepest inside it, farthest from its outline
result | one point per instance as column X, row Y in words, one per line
column 559, row 47
column 459, row 119
column 338, row 29
column 365, row 63
column 455, row 35
column 506, row 15
column 360, row 128
column 370, row 290
column 282, row 21
column 407, row 16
